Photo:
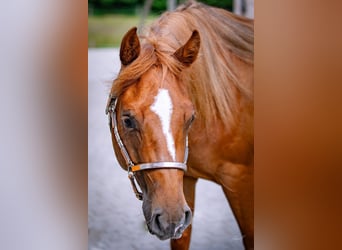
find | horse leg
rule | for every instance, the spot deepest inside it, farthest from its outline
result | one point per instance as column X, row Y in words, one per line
column 237, row 184
column 189, row 184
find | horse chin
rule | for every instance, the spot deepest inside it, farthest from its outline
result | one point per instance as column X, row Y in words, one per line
column 175, row 237
column 166, row 237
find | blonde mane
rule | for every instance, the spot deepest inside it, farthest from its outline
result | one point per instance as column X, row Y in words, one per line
column 212, row 80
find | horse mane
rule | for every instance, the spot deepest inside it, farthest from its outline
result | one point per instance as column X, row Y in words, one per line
column 211, row 80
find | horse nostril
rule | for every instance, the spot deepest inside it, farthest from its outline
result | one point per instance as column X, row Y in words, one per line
column 188, row 217
column 156, row 224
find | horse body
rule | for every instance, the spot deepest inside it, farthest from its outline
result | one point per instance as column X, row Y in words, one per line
column 198, row 61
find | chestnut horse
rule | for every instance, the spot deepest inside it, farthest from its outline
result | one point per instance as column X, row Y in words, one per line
column 186, row 83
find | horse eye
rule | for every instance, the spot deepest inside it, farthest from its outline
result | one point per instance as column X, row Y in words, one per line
column 192, row 118
column 129, row 122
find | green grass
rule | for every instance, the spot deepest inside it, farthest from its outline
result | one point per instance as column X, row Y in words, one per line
column 108, row 30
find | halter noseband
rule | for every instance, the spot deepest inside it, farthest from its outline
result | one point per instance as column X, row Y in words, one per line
column 131, row 166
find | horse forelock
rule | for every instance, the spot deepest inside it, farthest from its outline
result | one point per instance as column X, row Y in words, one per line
column 152, row 53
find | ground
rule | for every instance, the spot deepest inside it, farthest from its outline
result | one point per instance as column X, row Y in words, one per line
column 115, row 217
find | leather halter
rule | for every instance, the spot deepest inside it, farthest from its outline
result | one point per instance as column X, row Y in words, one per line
column 131, row 166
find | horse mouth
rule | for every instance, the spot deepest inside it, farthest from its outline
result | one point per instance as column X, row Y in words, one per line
column 178, row 232
column 175, row 233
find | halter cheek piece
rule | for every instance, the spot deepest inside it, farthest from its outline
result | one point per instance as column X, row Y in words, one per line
column 131, row 166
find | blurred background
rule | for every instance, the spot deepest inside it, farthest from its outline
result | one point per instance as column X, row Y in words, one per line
column 108, row 20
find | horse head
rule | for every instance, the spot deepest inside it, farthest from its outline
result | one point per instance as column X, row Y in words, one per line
column 152, row 116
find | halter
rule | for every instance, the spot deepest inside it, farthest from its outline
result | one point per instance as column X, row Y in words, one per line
column 131, row 166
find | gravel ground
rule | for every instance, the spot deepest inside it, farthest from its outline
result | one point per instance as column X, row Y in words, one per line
column 115, row 218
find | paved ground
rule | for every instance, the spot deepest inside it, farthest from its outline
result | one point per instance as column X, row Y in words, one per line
column 115, row 218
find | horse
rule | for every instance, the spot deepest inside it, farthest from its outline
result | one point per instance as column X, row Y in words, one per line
column 180, row 109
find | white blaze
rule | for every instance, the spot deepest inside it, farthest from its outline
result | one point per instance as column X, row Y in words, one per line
column 162, row 106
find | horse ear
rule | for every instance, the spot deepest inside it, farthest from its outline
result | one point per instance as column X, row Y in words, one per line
column 187, row 54
column 130, row 47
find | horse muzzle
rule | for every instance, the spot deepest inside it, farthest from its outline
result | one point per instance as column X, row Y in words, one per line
column 165, row 225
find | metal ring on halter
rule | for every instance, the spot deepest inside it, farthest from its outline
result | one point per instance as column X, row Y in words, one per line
column 131, row 167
